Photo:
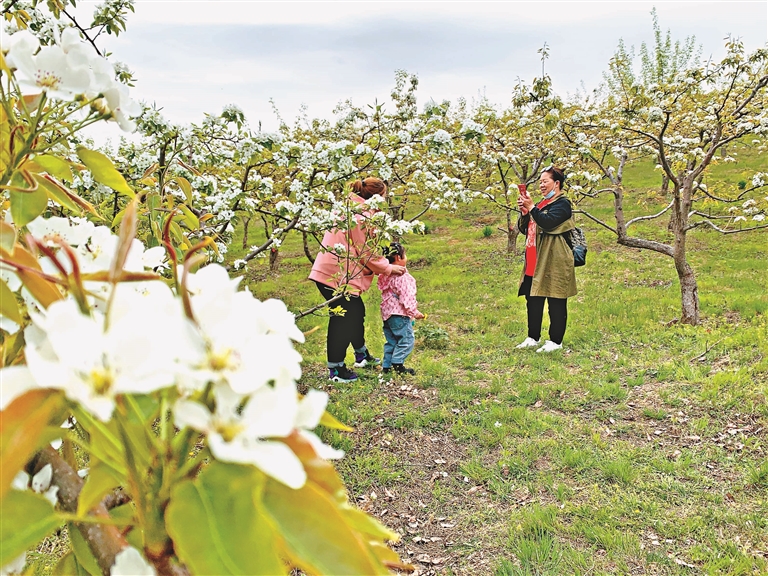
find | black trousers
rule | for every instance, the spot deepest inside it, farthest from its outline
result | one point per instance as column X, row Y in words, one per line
column 343, row 330
column 558, row 313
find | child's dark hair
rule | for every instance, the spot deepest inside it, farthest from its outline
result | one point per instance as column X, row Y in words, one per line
column 394, row 250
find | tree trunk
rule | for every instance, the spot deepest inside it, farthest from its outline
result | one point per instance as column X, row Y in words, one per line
column 689, row 293
column 689, row 290
column 512, row 234
column 664, row 184
column 307, row 252
column 274, row 255
column 246, row 221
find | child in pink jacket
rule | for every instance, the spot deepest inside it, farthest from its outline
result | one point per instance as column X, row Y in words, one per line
column 398, row 308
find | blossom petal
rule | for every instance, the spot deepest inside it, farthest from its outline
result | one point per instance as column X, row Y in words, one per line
column 311, row 409
column 130, row 562
column 191, row 414
column 278, row 460
column 16, row 380
column 321, row 449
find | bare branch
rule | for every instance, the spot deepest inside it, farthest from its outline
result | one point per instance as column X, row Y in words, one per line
column 709, row 216
column 268, row 243
column 722, row 230
column 652, row 245
column 597, row 193
column 651, row 217
column 663, row 156
column 7, row 9
column 319, row 306
column 762, row 83
column 588, row 215
column 85, row 34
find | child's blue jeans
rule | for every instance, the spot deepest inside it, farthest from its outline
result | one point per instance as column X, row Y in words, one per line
column 398, row 332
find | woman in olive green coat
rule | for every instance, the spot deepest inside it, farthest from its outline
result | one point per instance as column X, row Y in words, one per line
column 548, row 274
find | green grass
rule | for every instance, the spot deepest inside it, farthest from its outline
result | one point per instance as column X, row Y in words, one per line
column 626, row 454
column 640, row 449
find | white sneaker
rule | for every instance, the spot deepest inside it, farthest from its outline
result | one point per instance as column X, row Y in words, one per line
column 527, row 343
column 550, row 346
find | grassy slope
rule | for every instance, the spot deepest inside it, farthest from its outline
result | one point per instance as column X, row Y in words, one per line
column 639, row 450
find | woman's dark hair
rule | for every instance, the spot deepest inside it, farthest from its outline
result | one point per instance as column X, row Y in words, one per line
column 556, row 174
column 394, row 250
column 367, row 187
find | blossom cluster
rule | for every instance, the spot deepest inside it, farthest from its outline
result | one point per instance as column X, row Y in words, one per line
column 226, row 357
column 67, row 70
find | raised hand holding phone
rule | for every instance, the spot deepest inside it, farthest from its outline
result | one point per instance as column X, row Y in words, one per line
column 522, row 197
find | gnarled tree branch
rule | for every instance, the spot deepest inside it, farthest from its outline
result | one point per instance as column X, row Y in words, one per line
column 651, row 216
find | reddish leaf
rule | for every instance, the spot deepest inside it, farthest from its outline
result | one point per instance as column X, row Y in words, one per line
column 22, row 430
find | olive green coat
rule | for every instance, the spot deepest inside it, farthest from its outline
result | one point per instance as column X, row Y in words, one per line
column 554, row 276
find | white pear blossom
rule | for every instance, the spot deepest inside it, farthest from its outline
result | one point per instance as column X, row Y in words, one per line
column 15, row 567
column 49, row 71
column 92, row 360
column 130, row 562
column 16, row 380
column 21, row 43
column 122, row 106
column 242, row 436
column 73, row 231
column 245, row 342
column 310, row 410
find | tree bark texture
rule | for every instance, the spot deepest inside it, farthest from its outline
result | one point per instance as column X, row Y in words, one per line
column 105, row 541
column 246, row 222
column 512, row 234
column 307, row 252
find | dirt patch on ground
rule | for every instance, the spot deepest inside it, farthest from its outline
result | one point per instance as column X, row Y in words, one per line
column 445, row 521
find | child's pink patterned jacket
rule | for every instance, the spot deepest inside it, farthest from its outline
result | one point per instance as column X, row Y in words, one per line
column 398, row 296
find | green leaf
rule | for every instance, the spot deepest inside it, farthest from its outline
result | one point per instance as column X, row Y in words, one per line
column 57, row 195
column 9, row 307
column 101, row 481
column 22, row 432
column 82, row 551
column 185, row 186
column 68, row 566
column 368, row 525
column 330, row 421
column 27, row 519
column 127, row 513
column 319, row 539
column 26, row 206
column 61, row 195
column 7, row 236
column 218, row 528
column 104, row 171
column 118, row 218
column 192, row 221
column 177, row 232
column 55, row 166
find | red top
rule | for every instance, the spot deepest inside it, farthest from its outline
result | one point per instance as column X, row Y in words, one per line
column 530, row 240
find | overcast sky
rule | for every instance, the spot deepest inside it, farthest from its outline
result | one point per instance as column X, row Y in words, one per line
column 192, row 57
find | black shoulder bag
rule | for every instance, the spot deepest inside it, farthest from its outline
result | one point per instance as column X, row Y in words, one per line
column 577, row 242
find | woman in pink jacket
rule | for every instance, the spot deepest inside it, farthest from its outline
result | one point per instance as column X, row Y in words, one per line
column 352, row 267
